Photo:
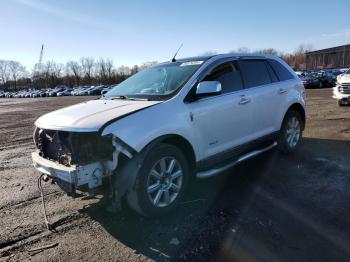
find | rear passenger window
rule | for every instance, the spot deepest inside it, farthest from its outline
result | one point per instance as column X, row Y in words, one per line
column 254, row 72
column 228, row 75
column 282, row 72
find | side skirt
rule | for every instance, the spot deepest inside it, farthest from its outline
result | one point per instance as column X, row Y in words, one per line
column 251, row 154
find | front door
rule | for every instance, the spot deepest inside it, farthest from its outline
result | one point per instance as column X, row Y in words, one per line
column 222, row 122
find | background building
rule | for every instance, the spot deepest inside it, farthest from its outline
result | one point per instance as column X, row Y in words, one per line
column 335, row 57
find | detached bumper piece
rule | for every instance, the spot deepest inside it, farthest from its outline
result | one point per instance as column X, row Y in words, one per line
column 70, row 178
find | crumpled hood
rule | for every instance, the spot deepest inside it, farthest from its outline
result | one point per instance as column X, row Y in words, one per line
column 344, row 78
column 90, row 116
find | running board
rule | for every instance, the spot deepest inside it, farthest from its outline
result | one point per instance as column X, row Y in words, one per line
column 213, row 172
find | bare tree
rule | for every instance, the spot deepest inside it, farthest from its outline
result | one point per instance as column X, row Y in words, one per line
column 4, row 71
column 87, row 66
column 208, row 53
column 241, row 50
column 134, row 69
column 16, row 71
column 147, row 64
column 87, row 71
column 124, row 70
column 109, row 70
column 269, row 51
column 101, row 70
column 297, row 58
column 52, row 73
column 75, row 69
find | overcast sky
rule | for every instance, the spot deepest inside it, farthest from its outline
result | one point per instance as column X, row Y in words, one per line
column 132, row 32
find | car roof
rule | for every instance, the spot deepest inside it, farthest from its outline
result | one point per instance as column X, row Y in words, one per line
column 219, row 56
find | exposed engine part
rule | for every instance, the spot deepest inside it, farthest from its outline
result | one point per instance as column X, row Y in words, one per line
column 73, row 148
column 69, row 177
column 54, row 146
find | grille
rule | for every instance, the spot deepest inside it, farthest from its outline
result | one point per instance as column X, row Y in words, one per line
column 70, row 148
column 344, row 88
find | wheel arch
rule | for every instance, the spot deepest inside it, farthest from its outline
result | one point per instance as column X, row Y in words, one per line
column 300, row 109
column 179, row 141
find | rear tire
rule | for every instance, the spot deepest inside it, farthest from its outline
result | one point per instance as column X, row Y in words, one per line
column 161, row 182
column 290, row 133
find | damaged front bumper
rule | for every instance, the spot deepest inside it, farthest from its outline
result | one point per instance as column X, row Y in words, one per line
column 70, row 178
column 78, row 160
column 84, row 177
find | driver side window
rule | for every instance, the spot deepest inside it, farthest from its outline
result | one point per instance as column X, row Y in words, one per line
column 228, row 75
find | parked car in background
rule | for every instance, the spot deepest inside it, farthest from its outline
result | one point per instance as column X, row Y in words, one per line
column 85, row 91
column 326, row 78
column 96, row 91
column 106, row 89
column 66, row 92
column 34, row 93
column 341, row 91
column 75, row 90
column 126, row 141
column 301, row 73
column 47, row 92
column 308, row 80
column 57, row 90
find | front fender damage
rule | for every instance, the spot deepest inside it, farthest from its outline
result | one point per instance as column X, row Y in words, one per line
column 99, row 171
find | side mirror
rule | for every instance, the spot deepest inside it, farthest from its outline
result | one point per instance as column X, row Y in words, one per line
column 103, row 92
column 207, row 88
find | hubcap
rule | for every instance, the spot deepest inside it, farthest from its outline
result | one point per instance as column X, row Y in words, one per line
column 293, row 132
column 164, row 182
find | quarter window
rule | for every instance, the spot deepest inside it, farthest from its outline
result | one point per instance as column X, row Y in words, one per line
column 281, row 71
column 272, row 73
column 254, row 72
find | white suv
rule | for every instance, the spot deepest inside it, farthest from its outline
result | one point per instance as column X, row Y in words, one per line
column 341, row 91
column 146, row 137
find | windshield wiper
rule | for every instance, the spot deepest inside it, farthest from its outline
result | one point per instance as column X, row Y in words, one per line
column 129, row 98
column 119, row 97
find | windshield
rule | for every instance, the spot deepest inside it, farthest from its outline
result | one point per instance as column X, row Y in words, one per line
column 155, row 83
column 347, row 72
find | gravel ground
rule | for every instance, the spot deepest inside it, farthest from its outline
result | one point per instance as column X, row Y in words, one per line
column 272, row 208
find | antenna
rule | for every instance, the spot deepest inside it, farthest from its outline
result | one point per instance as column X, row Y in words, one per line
column 174, row 60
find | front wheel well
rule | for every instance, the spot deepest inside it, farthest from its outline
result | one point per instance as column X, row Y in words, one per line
column 300, row 109
column 179, row 142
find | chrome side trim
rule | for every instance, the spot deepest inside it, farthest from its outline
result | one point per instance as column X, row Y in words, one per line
column 213, row 172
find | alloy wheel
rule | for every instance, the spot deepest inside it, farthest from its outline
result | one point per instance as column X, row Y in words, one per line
column 164, row 181
column 293, row 132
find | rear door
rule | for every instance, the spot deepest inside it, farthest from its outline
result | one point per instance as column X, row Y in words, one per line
column 266, row 92
column 281, row 89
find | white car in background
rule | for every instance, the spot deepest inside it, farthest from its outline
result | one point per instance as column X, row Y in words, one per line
column 146, row 137
column 341, row 91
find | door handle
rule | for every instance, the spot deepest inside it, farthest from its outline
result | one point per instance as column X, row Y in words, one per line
column 282, row 91
column 244, row 100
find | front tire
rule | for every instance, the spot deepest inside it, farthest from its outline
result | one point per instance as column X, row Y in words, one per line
column 290, row 133
column 340, row 103
column 161, row 182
